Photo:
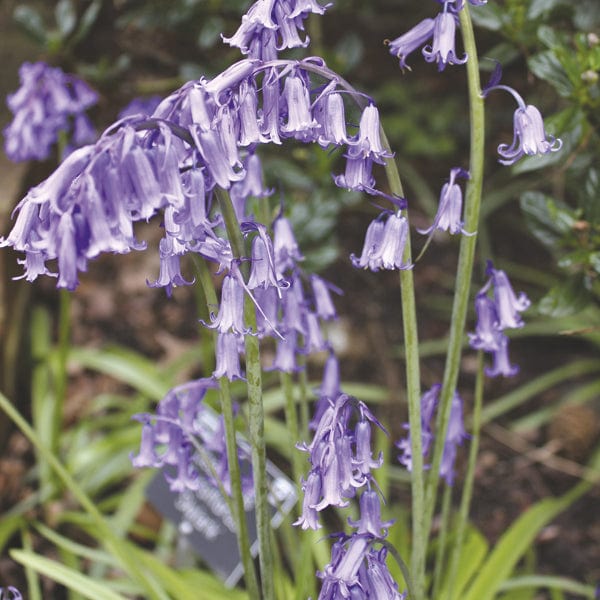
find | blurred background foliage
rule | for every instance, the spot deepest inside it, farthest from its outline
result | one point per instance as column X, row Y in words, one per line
column 541, row 218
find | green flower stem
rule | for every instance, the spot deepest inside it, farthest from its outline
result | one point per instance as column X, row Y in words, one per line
column 113, row 542
column 467, row 491
column 256, row 423
column 465, row 261
column 291, row 420
column 239, row 513
column 442, row 540
column 413, row 389
column 256, row 419
column 236, row 490
column 64, row 337
column 206, row 298
column 303, row 401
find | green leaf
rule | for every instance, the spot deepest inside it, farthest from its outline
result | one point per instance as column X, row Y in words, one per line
column 550, row 583
column 512, row 546
column 126, row 366
column 489, row 16
column 545, row 65
column 551, row 38
column 31, row 22
column 87, row 21
column 539, row 8
column 549, row 221
column 566, row 298
column 590, row 196
column 474, row 550
column 65, row 16
column 78, row 582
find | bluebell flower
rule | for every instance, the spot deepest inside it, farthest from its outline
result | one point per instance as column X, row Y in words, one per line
column 309, row 518
column 376, row 579
column 357, row 175
column 429, row 402
column 295, row 105
column 10, row 593
column 494, row 316
column 441, row 50
column 247, row 115
column 449, row 214
column 294, row 306
column 529, row 134
column 269, row 115
column 262, row 269
column 371, row 253
column 313, row 337
column 370, row 522
column 324, row 306
column 287, row 251
column 406, row 44
column 487, row 332
column 501, row 363
column 367, row 144
column 384, row 244
column 330, row 114
column 508, row 304
column 455, row 433
column 45, row 103
column 231, row 310
column 170, row 270
column 227, row 354
column 286, row 352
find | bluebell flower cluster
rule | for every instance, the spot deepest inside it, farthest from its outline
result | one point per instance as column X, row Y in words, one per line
column 47, row 102
column 340, row 457
column 495, row 314
column 271, row 26
column 439, row 31
column 455, row 434
column 172, row 437
column 200, row 138
column 342, row 463
column 358, row 566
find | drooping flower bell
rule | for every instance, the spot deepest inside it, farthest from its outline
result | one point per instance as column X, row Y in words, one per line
column 441, row 50
column 494, row 315
column 449, row 213
column 455, row 433
column 441, row 31
column 529, row 134
column 385, row 244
